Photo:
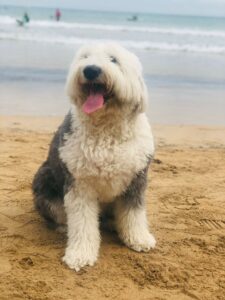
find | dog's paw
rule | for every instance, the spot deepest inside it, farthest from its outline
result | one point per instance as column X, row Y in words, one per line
column 141, row 243
column 77, row 258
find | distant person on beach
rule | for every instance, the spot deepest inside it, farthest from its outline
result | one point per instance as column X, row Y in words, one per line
column 58, row 14
column 25, row 19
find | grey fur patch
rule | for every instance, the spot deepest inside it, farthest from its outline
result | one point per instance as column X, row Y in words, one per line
column 134, row 195
column 107, row 218
column 53, row 179
column 132, row 198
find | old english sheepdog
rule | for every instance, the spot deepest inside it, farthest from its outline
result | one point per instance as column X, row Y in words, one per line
column 99, row 156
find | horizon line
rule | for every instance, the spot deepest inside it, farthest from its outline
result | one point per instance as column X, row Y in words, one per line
column 116, row 11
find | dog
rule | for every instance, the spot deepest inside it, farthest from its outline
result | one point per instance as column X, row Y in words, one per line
column 99, row 156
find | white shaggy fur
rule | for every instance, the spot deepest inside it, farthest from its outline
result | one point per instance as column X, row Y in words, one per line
column 83, row 233
column 104, row 152
column 132, row 226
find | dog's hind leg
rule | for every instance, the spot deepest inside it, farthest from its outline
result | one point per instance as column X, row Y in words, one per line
column 52, row 210
column 48, row 197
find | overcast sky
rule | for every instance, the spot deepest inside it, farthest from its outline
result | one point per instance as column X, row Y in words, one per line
column 196, row 7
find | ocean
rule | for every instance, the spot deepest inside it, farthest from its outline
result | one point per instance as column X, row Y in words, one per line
column 183, row 59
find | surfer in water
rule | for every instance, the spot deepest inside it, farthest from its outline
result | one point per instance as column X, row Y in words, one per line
column 133, row 18
column 25, row 19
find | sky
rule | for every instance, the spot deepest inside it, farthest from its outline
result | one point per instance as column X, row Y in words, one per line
column 183, row 7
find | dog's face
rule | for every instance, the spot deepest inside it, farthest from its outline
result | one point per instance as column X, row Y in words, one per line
column 104, row 77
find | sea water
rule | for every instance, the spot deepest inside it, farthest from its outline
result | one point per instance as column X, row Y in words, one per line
column 183, row 59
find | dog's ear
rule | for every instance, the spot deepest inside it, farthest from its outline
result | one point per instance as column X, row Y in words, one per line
column 70, row 81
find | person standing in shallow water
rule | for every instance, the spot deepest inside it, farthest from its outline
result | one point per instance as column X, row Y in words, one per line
column 58, row 14
column 26, row 18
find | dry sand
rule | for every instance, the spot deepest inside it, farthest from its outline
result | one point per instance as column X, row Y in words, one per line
column 186, row 210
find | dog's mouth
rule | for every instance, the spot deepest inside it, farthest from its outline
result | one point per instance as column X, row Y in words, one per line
column 96, row 95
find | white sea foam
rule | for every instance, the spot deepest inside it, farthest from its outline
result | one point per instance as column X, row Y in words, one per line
column 165, row 39
column 143, row 45
column 7, row 20
column 159, row 30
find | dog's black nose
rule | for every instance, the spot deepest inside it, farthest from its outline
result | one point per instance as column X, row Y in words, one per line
column 92, row 72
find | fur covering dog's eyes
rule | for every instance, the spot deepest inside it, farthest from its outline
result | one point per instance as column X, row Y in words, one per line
column 113, row 60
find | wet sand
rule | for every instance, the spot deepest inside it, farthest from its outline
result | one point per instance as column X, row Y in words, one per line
column 185, row 201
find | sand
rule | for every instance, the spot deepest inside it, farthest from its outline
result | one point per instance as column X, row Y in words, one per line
column 186, row 212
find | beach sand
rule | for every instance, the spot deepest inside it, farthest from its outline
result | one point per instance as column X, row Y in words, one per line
column 186, row 212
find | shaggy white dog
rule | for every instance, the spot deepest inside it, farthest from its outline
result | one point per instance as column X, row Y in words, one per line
column 99, row 156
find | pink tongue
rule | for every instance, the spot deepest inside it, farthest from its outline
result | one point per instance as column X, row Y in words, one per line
column 93, row 103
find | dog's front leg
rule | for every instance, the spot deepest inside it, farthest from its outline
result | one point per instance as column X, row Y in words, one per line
column 83, row 228
column 130, row 215
column 132, row 227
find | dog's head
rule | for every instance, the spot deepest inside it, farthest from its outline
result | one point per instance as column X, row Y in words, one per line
column 104, row 77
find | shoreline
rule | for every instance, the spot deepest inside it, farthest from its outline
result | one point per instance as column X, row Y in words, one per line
column 183, row 88
column 176, row 135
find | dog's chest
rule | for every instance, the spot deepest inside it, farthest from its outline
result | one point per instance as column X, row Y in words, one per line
column 105, row 164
